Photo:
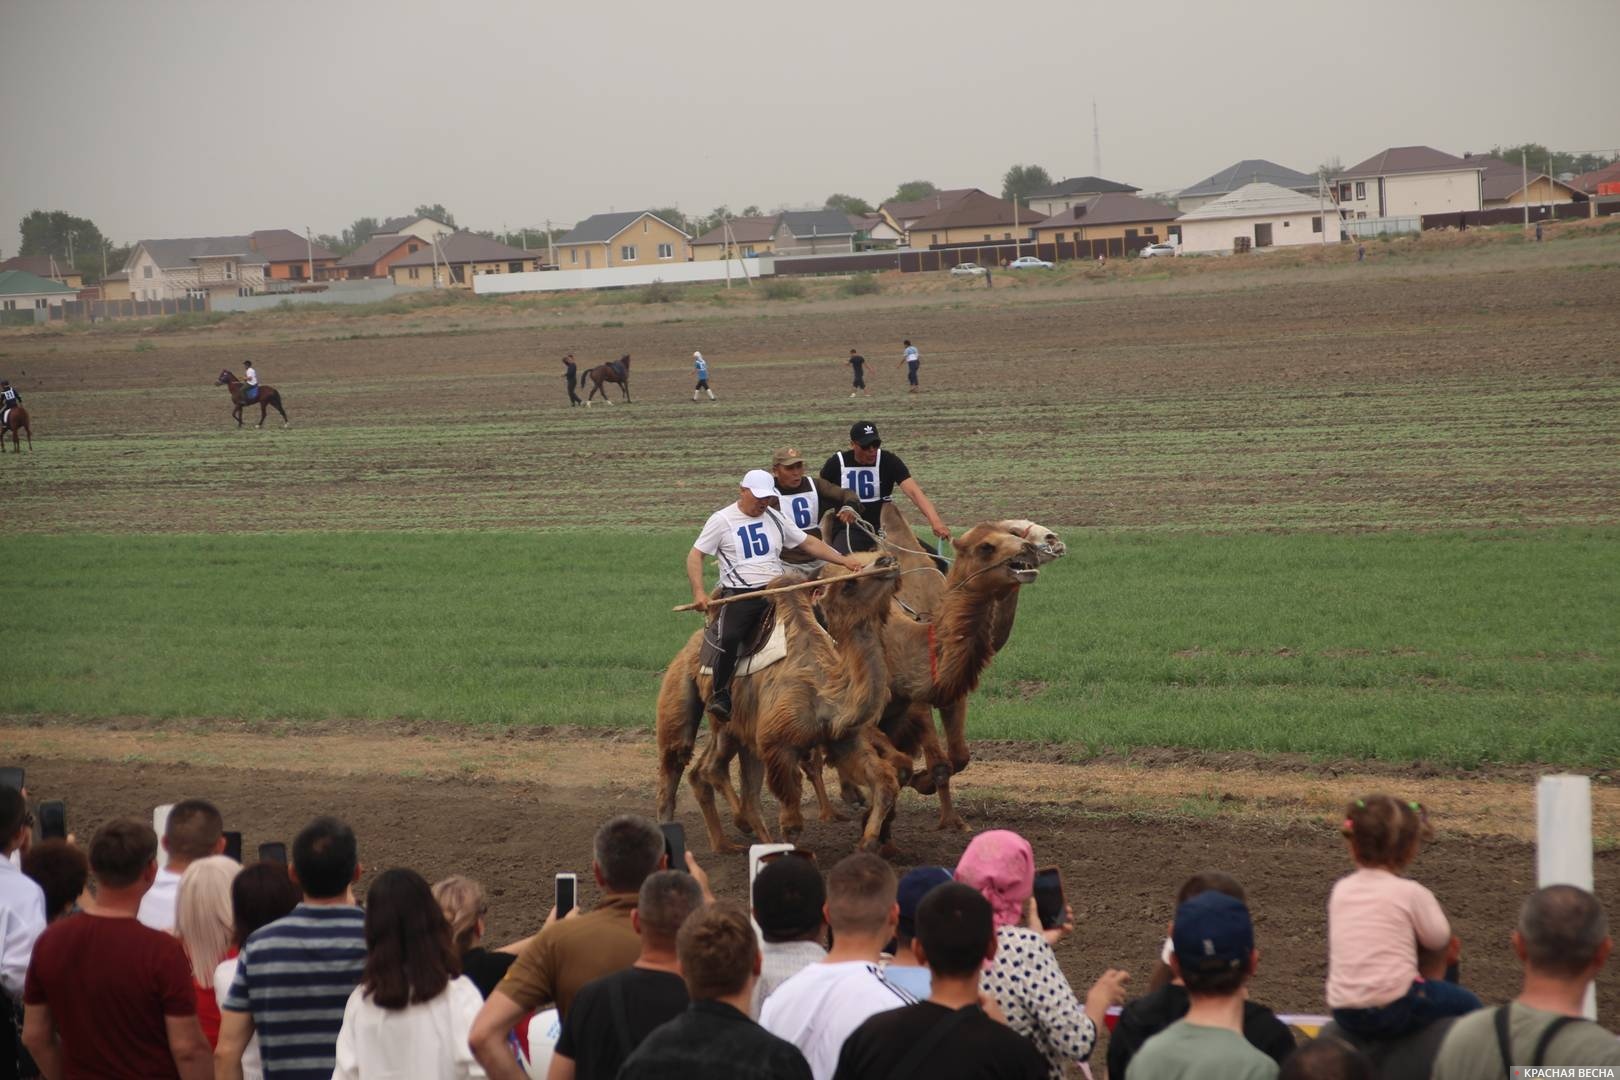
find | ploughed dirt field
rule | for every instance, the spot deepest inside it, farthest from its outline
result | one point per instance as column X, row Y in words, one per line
column 513, row 809
column 1479, row 395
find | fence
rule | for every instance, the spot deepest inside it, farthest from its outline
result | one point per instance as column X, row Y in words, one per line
column 97, row 310
column 1367, row 228
column 943, row 257
column 1506, row 215
column 366, row 291
column 616, row 277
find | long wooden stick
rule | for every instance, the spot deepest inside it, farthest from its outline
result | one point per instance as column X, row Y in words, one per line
column 811, row 584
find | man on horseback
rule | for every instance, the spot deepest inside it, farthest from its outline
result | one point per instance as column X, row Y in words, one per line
column 9, row 399
column 872, row 474
column 250, row 380
column 748, row 539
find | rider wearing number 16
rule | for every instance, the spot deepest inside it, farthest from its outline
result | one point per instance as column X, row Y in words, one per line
column 748, row 539
column 873, row 473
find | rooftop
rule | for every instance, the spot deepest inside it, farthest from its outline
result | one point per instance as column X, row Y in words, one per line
column 978, row 209
column 369, row 252
column 1083, row 185
column 1113, row 208
column 932, row 204
column 743, row 230
column 1255, row 200
column 466, row 247
column 1406, row 159
column 602, row 228
column 804, row 224
column 22, row 283
column 1249, row 171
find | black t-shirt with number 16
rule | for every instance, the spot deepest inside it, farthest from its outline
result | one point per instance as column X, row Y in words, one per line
column 873, row 484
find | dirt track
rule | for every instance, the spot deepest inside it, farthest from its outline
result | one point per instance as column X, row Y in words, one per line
column 513, row 810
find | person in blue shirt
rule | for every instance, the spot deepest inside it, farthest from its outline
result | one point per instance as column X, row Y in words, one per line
column 701, row 367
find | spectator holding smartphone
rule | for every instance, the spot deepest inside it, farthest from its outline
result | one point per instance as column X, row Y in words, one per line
column 61, row 869
column 202, row 922
column 22, row 913
column 411, row 1013
column 195, row 830
column 1024, row 977
column 106, row 996
column 260, row 894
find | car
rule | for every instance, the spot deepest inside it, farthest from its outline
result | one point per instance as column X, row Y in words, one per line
column 968, row 270
column 1157, row 249
column 1029, row 262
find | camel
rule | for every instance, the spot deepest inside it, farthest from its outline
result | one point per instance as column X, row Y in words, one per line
column 824, row 695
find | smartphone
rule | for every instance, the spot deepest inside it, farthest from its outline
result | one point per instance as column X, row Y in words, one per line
column 160, row 819
column 567, row 893
column 233, row 845
column 674, row 844
column 11, row 776
column 53, row 820
column 1049, row 898
column 274, row 851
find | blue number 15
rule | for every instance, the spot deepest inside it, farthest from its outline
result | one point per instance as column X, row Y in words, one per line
column 753, row 540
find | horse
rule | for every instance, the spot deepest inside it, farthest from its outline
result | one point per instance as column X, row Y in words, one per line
column 16, row 418
column 618, row 371
column 268, row 396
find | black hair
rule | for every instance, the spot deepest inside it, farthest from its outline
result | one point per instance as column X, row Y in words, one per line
column 193, row 829
column 260, row 894
column 627, row 849
column 409, row 957
column 13, row 814
column 955, row 926
column 60, row 869
column 325, row 855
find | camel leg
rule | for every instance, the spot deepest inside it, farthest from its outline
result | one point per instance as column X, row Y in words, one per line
column 703, row 791
column 954, row 719
column 753, row 780
column 881, row 784
column 680, row 712
column 784, row 763
column 814, row 768
column 716, row 769
column 940, row 769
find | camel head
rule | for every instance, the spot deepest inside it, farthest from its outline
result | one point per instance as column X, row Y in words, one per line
column 991, row 559
column 1047, row 544
column 847, row 597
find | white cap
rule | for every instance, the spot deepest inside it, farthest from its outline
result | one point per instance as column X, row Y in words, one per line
column 696, row 353
column 760, row 484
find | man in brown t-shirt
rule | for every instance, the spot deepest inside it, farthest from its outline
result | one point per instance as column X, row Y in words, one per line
column 106, row 996
column 572, row 951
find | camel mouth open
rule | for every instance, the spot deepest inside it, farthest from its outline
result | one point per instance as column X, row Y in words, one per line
column 1024, row 572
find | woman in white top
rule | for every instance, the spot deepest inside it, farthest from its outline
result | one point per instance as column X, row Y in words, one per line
column 260, row 895
column 412, row 1012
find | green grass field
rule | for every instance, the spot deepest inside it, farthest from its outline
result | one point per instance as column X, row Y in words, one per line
column 1454, row 648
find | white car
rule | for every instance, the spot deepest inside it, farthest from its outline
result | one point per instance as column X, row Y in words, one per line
column 967, row 270
column 1029, row 262
column 1157, row 249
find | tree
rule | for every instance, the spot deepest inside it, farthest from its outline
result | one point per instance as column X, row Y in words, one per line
column 56, row 232
column 673, row 215
column 358, row 234
column 332, row 243
column 848, row 204
column 1022, row 180
column 437, row 212
column 912, row 190
column 1330, row 168
column 1537, row 157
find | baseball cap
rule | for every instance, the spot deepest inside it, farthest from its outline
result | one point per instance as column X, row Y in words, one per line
column 915, row 885
column 788, row 897
column 786, row 456
column 864, row 433
column 1212, row 933
column 761, row 484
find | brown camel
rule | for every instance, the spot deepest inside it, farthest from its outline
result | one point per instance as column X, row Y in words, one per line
column 825, row 695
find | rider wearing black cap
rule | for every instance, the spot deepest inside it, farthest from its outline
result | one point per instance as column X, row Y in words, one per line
column 873, row 473
column 9, row 398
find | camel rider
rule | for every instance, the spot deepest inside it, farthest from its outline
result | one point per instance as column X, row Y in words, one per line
column 748, row 539
column 872, row 474
column 804, row 497
column 9, row 398
column 251, row 379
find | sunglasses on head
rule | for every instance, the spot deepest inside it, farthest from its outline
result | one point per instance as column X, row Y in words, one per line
column 796, row 852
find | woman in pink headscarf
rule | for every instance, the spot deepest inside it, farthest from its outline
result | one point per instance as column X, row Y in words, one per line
column 1024, row 976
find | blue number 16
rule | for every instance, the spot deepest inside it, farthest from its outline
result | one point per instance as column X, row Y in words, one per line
column 753, row 540
column 860, row 481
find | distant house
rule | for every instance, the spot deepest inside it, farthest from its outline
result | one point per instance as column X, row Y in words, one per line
column 631, row 238
column 1113, row 216
column 459, row 257
column 816, row 232
column 1067, row 194
column 1604, row 181
column 976, row 218
column 875, row 229
column 1247, row 171
column 199, row 267
column 423, row 228
column 48, row 267
column 115, row 286
column 290, row 257
column 739, row 238
column 1505, row 184
column 1409, row 181
column 902, row 215
column 22, row 291
column 376, row 256
column 1262, row 215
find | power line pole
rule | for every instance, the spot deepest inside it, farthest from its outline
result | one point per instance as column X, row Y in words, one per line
column 1096, row 141
column 309, row 249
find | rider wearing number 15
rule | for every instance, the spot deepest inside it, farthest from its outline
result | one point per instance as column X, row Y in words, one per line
column 748, row 539
column 872, row 474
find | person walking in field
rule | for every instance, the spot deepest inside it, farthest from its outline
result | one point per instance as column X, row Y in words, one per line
column 857, row 362
column 571, row 374
column 912, row 359
column 700, row 367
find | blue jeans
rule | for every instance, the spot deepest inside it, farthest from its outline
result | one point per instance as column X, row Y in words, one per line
column 911, row 372
column 1427, row 1001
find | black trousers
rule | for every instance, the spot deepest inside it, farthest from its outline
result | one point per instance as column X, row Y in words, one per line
column 573, row 398
column 735, row 625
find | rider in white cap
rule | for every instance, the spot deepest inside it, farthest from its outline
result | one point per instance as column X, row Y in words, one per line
column 748, row 539
column 701, row 367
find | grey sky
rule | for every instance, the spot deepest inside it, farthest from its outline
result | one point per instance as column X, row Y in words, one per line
column 177, row 119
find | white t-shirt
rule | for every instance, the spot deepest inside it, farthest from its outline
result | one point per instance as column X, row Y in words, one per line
column 252, row 1063
column 157, row 906
column 428, row 1039
column 251, row 377
column 912, row 355
column 817, row 1009
column 749, row 549
column 22, row 920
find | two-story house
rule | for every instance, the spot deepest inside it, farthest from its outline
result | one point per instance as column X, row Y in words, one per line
column 1069, row 193
column 199, row 267
column 630, row 238
column 423, row 228
column 1408, row 182
column 1239, row 173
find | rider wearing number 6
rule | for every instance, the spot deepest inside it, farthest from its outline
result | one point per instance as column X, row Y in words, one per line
column 872, row 474
column 805, row 498
column 748, row 538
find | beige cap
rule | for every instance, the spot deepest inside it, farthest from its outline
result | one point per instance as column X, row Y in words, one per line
column 786, row 456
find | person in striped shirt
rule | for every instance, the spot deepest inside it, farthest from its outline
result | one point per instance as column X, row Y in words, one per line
column 294, row 976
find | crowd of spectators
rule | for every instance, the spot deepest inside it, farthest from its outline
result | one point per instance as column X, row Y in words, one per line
column 144, row 956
